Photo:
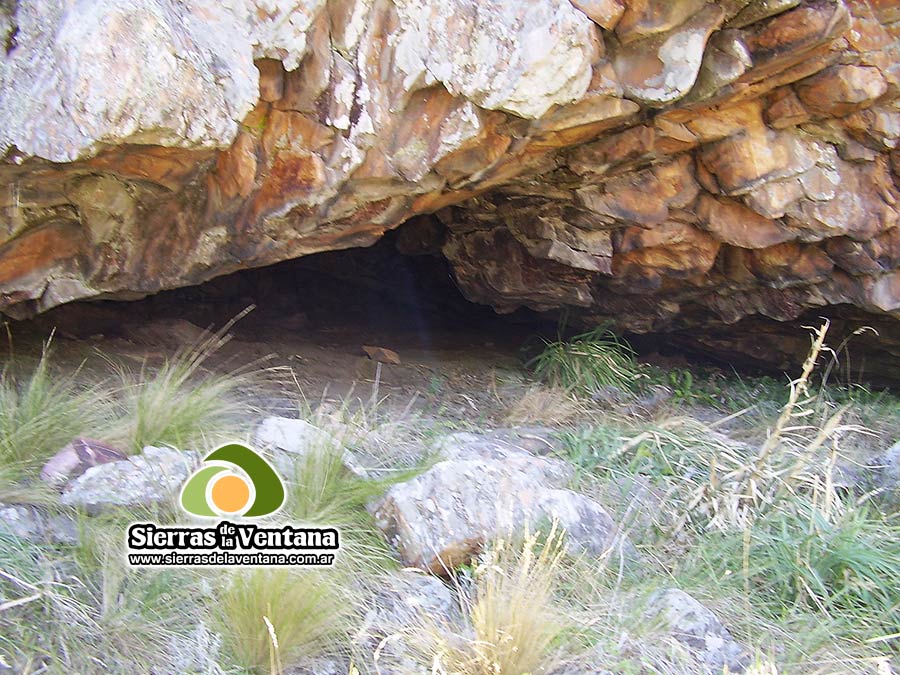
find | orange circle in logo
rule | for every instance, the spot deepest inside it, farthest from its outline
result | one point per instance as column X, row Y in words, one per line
column 230, row 494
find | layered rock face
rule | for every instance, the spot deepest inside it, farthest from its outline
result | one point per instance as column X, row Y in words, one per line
column 673, row 165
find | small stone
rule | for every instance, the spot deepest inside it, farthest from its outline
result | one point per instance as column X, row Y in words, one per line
column 772, row 200
column 35, row 524
column 382, row 354
column 76, row 458
column 510, row 447
column 643, row 18
column 851, row 151
column 22, row 521
column 757, row 10
column 757, row 156
column 289, row 440
column 887, row 471
column 725, row 60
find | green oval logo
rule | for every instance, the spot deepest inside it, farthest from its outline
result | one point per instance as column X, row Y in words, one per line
column 238, row 482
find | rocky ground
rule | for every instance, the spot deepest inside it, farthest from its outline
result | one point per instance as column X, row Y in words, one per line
column 443, row 470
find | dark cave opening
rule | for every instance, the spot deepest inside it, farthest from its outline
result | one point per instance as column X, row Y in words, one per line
column 400, row 293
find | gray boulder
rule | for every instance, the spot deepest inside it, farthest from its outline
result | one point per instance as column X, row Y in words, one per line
column 485, row 490
column 153, row 477
column 698, row 629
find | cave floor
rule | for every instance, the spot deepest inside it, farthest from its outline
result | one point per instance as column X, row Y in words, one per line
column 466, row 372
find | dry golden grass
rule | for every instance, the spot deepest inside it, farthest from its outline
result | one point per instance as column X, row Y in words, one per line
column 797, row 458
column 543, row 405
column 513, row 621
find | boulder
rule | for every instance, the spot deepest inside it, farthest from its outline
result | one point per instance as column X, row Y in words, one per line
column 486, row 490
column 698, row 629
column 154, row 477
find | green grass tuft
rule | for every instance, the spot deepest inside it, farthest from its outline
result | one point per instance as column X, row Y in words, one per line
column 181, row 403
column 280, row 614
column 589, row 363
column 40, row 412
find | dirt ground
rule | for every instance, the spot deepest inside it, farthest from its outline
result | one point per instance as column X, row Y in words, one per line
column 468, row 373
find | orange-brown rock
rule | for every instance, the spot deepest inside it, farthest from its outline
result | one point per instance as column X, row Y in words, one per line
column 841, row 89
column 679, row 166
column 605, row 13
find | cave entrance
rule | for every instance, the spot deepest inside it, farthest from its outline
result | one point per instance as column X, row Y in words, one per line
column 313, row 315
column 398, row 293
column 399, row 290
column 316, row 313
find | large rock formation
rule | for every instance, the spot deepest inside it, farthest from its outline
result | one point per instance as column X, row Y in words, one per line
column 673, row 164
